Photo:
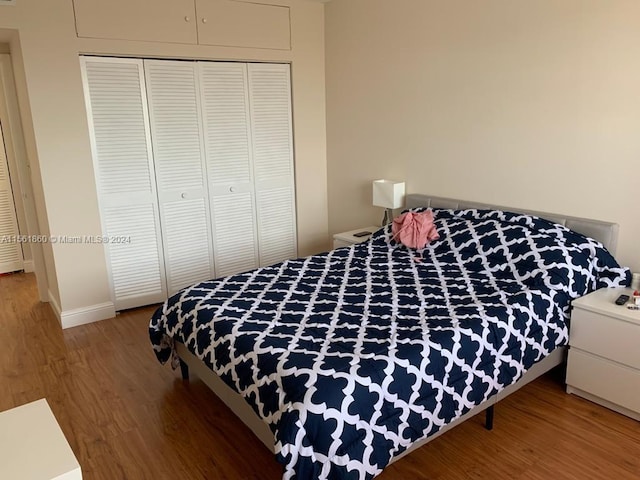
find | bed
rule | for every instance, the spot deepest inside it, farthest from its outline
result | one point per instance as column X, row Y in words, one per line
column 344, row 362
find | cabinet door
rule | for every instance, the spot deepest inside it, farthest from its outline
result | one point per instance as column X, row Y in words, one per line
column 119, row 130
column 10, row 249
column 243, row 24
column 158, row 21
column 272, row 143
column 176, row 132
column 225, row 107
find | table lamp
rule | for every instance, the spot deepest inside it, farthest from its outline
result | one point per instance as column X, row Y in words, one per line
column 389, row 195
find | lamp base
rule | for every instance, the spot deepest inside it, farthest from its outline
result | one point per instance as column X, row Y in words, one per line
column 387, row 217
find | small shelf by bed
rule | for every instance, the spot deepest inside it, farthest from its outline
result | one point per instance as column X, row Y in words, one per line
column 604, row 359
column 351, row 237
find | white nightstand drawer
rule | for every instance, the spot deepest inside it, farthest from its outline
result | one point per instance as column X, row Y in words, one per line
column 606, row 336
column 605, row 379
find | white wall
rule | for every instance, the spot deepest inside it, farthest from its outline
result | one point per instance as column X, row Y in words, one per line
column 45, row 49
column 529, row 104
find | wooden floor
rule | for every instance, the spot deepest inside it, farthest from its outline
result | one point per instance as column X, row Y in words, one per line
column 128, row 417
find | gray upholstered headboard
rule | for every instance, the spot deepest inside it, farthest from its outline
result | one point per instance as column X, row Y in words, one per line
column 604, row 232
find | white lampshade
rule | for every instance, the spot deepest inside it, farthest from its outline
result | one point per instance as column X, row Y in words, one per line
column 388, row 194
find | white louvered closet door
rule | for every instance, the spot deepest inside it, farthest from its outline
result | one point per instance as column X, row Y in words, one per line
column 11, row 258
column 174, row 110
column 118, row 117
column 225, row 107
column 272, row 145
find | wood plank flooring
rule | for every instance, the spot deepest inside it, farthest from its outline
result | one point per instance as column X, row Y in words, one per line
column 128, row 417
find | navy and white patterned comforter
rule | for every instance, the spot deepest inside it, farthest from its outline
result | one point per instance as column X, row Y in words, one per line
column 353, row 355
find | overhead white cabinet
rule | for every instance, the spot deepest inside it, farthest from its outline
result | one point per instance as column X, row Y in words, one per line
column 203, row 176
column 172, row 21
column 243, row 24
column 233, row 23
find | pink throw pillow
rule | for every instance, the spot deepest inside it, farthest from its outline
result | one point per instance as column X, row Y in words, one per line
column 415, row 229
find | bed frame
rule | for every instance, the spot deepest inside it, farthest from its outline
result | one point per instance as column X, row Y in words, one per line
column 605, row 232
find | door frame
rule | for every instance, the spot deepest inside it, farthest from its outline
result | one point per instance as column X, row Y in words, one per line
column 20, row 171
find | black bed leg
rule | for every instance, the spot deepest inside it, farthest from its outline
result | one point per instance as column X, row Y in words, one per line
column 488, row 423
column 184, row 369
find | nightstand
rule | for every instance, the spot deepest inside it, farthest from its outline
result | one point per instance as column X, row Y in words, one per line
column 345, row 239
column 604, row 352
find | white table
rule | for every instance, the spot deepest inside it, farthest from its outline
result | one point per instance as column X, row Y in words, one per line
column 604, row 353
column 33, row 447
column 344, row 239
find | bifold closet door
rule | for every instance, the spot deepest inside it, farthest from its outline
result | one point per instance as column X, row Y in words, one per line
column 249, row 149
column 178, row 150
column 119, row 127
column 272, row 146
column 225, row 106
column 11, row 258
column 194, row 163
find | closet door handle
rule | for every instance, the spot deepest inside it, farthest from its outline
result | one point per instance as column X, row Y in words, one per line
column 232, row 189
column 187, row 19
column 183, row 195
column 204, row 20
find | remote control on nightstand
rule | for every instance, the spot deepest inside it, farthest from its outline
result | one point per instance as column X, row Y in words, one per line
column 622, row 299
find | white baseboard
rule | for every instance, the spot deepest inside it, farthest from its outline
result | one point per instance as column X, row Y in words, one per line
column 28, row 267
column 54, row 304
column 90, row 314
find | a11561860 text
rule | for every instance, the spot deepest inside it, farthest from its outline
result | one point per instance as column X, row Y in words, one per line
column 100, row 239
